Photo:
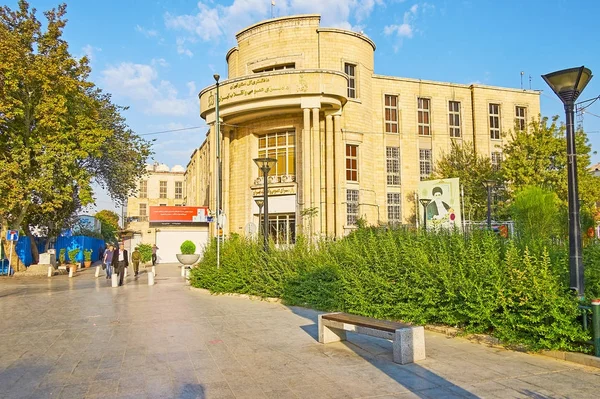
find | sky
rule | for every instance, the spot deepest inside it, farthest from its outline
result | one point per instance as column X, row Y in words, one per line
column 156, row 56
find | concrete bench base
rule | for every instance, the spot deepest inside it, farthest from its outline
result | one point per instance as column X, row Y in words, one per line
column 408, row 341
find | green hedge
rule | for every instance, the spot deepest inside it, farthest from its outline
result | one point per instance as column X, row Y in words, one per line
column 480, row 283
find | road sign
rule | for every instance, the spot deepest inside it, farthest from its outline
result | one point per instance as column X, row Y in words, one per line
column 12, row 235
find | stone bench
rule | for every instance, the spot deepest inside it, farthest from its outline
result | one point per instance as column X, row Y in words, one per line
column 408, row 341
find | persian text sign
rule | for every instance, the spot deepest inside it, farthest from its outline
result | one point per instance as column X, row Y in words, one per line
column 178, row 215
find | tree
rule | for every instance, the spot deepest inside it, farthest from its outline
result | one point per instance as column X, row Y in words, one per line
column 473, row 170
column 58, row 132
column 538, row 157
column 536, row 212
column 109, row 221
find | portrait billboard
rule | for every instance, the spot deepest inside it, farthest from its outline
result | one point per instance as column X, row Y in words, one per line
column 178, row 215
column 443, row 208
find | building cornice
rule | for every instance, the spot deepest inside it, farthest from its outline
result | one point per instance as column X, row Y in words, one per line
column 350, row 33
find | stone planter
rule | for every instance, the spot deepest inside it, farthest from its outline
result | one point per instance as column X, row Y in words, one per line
column 188, row 260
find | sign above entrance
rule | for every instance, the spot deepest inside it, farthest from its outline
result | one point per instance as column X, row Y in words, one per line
column 178, row 215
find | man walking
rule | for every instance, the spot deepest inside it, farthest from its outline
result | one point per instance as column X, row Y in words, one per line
column 154, row 249
column 120, row 261
column 135, row 259
column 108, row 256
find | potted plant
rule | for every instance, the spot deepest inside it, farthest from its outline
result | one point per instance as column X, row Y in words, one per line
column 72, row 255
column 188, row 257
column 62, row 256
column 87, row 257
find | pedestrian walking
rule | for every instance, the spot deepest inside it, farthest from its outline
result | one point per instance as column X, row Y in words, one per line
column 120, row 261
column 135, row 259
column 107, row 261
column 154, row 249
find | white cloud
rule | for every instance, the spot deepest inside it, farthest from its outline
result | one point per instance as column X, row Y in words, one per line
column 407, row 28
column 211, row 22
column 191, row 85
column 139, row 82
column 89, row 51
column 160, row 62
column 181, row 49
column 146, row 32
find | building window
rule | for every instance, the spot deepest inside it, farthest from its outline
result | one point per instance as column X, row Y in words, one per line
column 144, row 189
column 162, row 189
column 496, row 160
column 424, row 120
column 391, row 114
column 393, row 208
column 281, row 67
column 521, row 118
column 350, row 70
column 425, row 163
column 351, row 162
column 392, row 155
column 282, row 147
column 282, row 228
column 351, row 207
column 494, row 121
column 143, row 210
column 454, row 118
column 178, row 190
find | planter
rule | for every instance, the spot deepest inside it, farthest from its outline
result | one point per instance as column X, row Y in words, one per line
column 188, row 260
column 87, row 263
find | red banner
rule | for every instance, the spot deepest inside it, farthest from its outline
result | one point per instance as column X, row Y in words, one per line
column 178, row 215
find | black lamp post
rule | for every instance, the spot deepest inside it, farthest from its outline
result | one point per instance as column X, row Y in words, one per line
column 568, row 85
column 259, row 203
column 424, row 202
column 218, row 170
column 265, row 165
column 489, row 184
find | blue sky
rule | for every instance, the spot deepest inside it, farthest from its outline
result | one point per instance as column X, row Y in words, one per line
column 155, row 56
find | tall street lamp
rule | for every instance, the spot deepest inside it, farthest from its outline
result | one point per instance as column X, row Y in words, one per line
column 424, row 202
column 489, row 184
column 265, row 165
column 218, row 170
column 568, row 85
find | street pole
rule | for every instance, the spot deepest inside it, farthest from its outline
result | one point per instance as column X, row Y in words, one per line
column 218, row 172
column 425, row 202
column 265, row 170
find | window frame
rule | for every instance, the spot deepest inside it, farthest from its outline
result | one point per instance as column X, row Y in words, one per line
column 278, row 150
column 496, row 160
column 454, row 114
column 425, row 163
column 145, row 207
column 162, row 195
column 143, row 189
column 422, row 126
column 394, row 207
column 352, row 79
column 388, row 109
column 352, row 205
column 495, row 129
column 352, row 163
column 180, row 194
column 392, row 165
column 277, row 67
column 521, row 120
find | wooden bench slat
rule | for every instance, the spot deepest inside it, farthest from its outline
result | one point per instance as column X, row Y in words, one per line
column 383, row 325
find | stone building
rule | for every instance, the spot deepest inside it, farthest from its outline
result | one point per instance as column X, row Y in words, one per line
column 349, row 143
column 162, row 188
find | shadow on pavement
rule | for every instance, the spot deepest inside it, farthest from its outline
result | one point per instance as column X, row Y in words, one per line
column 191, row 391
column 415, row 378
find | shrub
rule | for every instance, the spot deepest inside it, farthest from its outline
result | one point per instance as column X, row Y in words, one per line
column 145, row 252
column 62, row 256
column 87, row 254
column 480, row 282
column 73, row 254
column 188, row 248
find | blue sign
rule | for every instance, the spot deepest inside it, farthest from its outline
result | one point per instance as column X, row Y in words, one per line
column 210, row 219
column 12, row 235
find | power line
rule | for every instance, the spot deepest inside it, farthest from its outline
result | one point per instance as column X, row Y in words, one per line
column 173, row 130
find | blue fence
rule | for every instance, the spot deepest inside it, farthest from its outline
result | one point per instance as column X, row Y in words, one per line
column 23, row 248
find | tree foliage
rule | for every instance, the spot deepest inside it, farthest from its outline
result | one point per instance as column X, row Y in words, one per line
column 536, row 212
column 473, row 170
column 59, row 133
column 109, row 222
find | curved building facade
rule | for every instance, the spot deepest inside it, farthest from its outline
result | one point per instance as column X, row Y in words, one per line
column 349, row 143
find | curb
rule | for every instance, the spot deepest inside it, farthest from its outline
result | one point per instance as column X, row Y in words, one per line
column 482, row 339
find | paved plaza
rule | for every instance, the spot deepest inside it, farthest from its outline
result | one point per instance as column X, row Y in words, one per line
column 80, row 338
